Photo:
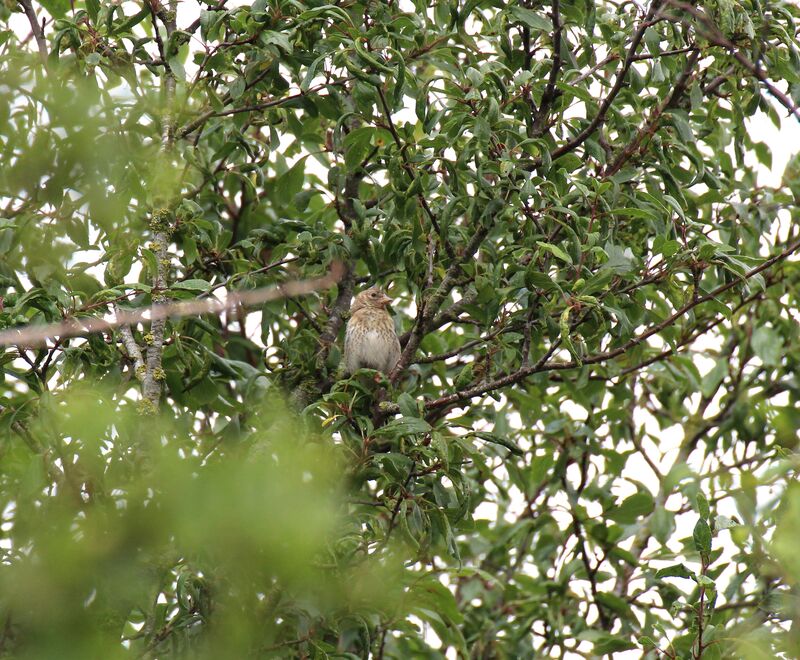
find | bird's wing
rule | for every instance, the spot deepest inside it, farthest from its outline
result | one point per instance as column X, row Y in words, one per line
column 350, row 354
column 393, row 355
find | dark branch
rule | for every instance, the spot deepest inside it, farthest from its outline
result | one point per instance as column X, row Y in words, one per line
column 550, row 95
column 711, row 32
column 36, row 29
column 650, row 127
column 429, row 308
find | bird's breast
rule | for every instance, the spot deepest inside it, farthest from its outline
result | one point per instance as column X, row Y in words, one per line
column 370, row 338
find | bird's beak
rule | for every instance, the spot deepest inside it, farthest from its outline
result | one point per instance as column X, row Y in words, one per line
column 385, row 300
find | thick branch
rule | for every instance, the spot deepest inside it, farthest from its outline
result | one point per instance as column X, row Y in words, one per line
column 134, row 352
column 153, row 353
column 430, row 307
column 341, row 305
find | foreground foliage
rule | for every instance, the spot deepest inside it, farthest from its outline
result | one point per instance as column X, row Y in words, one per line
column 589, row 443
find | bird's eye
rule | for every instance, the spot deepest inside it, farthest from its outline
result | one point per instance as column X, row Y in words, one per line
column 374, row 294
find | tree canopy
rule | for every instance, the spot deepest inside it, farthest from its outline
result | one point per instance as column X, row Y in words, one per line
column 588, row 446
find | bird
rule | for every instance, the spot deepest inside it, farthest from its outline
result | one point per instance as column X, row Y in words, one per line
column 370, row 340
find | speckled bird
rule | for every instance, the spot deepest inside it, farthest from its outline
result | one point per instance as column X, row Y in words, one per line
column 370, row 340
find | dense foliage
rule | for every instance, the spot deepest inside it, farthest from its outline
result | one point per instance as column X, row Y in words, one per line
column 588, row 445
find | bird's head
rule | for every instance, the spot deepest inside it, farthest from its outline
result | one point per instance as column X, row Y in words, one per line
column 374, row 298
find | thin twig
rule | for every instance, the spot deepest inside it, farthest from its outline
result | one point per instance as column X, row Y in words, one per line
column 36, row 29
column 400, row 497
column 409, row 170
column 272, row 103
column 549, row 96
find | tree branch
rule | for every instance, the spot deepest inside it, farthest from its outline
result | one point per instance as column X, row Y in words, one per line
column 272, row 103
column 598, row 120
column 344, row 295
column 711, row 32
column 410, row 172
column 540, row 366
column 449, row 315
column 36, row 335
column 549, row 96
column 650, row 127
column 162, row 229
column 429, row 308
column 36, row 29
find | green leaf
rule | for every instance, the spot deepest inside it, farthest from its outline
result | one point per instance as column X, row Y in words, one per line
column 92, row 7
column 56, row 8
column 311, row 72
column 614, row 603
column 333, row 11
column 675, row 205
column 644, row 214
column 403, row 426
column 176, row 66
column 192, row 285
column 408, row 406
column 278, row 39
column 530, row 18
column 498, row 440
column 662, row 523
column 538, row 280
column 705, row 581
column 676, row 570
column 786, row 423
column 702, row 537
column 684, row 130
column 632, row 508
column 570, row 162
column 723, row 522
column 357, row 144
column 237, row 87
column 605, row 643
column 767, row 345
column 433, row 595
column 290, row 183
column 620, row 260
column 555, row 251
column 131, row 22
column 702, row 506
